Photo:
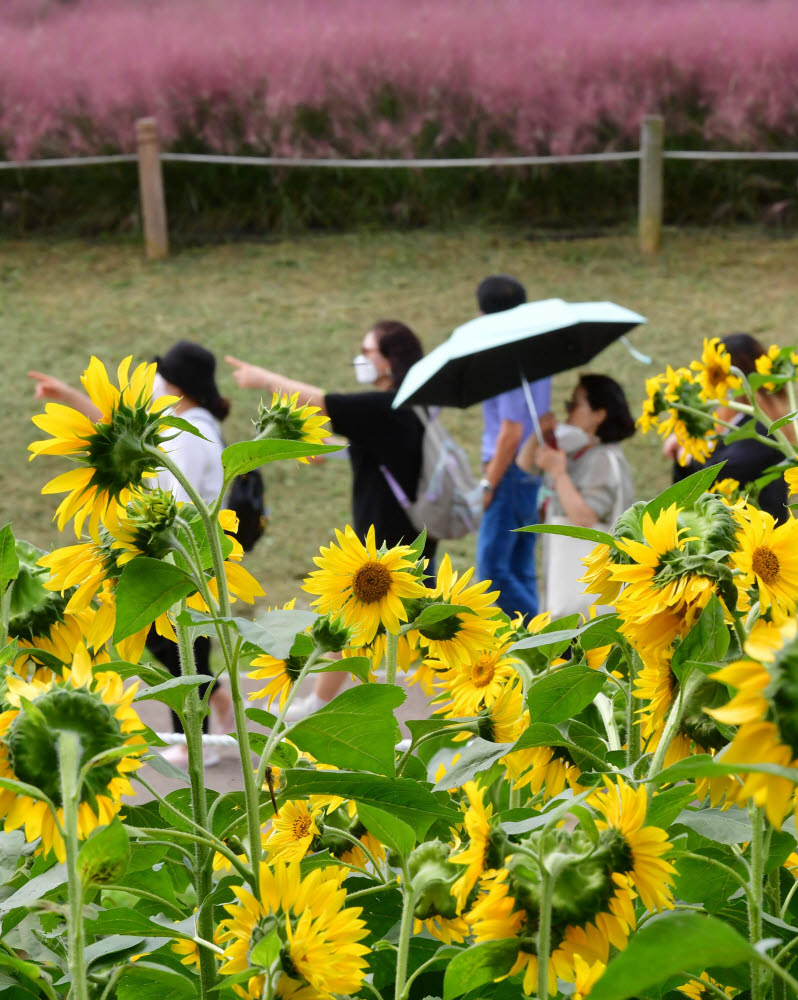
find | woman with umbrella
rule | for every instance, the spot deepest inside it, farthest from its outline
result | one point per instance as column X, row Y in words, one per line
column 587, row 482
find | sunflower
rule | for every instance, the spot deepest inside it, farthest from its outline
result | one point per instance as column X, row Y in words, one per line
column 546, row 770
column 471, row 686
column 464, row 636
column 292, row 831
column 286, row 420
column 505, row 718
column 713, row 372
column 407, row 651
column 480, row 855
column 767, row 557
column 280, row 674
column 447, row 931
column 187, row 951
column 115, row 451
column 319, row 949
column 364, row 586
column 585, row 977
column 146, row 526
column 624, row 812
column 701, row 988
column 101, row 712
column 85, row 566
column 598, row 578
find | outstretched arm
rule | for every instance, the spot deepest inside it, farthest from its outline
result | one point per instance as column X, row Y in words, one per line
column 249, row 376
column 553, row 461
column 49, row 387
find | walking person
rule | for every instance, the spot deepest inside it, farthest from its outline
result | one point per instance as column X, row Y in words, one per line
column 510, row 494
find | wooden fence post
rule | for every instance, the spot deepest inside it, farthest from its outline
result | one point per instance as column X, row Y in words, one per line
column 650, row 196
column 153, row 203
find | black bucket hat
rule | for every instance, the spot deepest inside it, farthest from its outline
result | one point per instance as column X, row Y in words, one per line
column 191, row 368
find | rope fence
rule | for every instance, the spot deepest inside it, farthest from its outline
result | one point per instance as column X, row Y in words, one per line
column 651, row 157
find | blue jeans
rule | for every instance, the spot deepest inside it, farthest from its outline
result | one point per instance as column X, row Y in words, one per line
column 505, row 557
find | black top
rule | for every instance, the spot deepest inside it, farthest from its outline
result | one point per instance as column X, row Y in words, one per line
column 379, row 435
column 746, row 460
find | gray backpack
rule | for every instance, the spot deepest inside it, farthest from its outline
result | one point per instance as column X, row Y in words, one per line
column 448, row 497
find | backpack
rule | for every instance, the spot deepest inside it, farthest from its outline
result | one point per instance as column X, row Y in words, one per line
column 448, row 498
column 247, row 499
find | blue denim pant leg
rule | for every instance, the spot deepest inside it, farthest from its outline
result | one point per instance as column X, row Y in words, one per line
column 505, row 557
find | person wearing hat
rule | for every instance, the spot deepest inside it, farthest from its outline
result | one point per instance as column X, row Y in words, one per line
column 188, row 371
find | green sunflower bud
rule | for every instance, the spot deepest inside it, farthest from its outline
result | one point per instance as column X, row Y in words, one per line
column 330, row 838
column 711, row 523
column 118, row 451
column 34, row 610
column 280, row 420
column 32, row 740
column 148, row 522
column 330, row 635
column 432, row 876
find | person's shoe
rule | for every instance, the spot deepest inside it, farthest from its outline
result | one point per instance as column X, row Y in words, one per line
column 303, row 707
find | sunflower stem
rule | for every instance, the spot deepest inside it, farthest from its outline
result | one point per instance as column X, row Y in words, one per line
column 632, row 725
column 669, row 731
column 544, row 932
column 69, row 765
column 203, row 856
column 405, row 932
column 279, row 725
column 359, row 843
column 755, row 895
column 391, row 647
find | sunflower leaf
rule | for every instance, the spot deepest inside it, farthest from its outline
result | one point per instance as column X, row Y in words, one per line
column 248, row 455
column 9, row 560
column 706, row 642
column 434, row 613
column 104, row 857
column 667, row 945
column 146, row 589
column 411, row 801
column 685, row 492
column 388, row 829
column 173, row 692
column 477, row 965
column 357, row 729
column 479, row 755
column 563, row 694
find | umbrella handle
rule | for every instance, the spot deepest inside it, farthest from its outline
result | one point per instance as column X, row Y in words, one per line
column 530, row 403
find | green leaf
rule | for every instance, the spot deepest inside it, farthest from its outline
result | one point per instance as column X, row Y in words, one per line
column 781, row 422
column 585, row 738
column 148, row 982
column 411, row 801
column 104, row 857
column 266, row 950
column 248, row 455
column 665, row 806
column 541, row 734
column 477, row 965
column 261, row 716
column 729, row 826
column 439, row 612
column 477, row 756
column 702, row 881
column 146, row 589
column 706, row 642
column 588, row 534
column 126, row 921
column 282, row 755
column 704, row 766
column 9, row 560
column 563, row 694
column 355, row 730
column 35, row 889
column 150, row 673
column 172, row 693
column 360, row 666
column 686, row 492
column 388, row 829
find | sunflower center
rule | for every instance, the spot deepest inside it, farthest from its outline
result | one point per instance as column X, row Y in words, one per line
column 301, row 827
column 765, row 563
column 33, row 740
column 483, row 671
column 716, row 374
column 372, row 582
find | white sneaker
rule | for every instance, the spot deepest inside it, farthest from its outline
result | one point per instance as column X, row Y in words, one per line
column 303, row 707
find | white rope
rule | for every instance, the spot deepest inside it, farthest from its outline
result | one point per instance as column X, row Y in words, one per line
column 477, row 161
column 71, row 161
column 230, row 741
column 423, row 164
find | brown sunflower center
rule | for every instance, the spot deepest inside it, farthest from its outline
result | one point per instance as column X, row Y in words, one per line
column 301, row 827
column 765, row 563
column 483, row 671
column 372, row 582
column 716, row 374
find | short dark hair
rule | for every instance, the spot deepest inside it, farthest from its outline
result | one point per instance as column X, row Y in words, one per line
column 744, row 350
column 399, row 345
column 499, row 292
column 604, row 393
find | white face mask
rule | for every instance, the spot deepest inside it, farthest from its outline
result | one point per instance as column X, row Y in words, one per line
column 570, row 438
column 365, row 370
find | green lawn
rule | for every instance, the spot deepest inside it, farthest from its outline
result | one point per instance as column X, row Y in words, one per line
column 302, row 304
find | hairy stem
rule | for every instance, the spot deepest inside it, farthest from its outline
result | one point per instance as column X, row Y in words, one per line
column 69, row 765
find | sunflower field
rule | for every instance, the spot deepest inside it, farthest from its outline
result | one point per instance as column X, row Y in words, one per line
column 598, row 808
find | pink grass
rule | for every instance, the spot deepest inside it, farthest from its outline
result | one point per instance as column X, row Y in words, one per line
column 400, row 77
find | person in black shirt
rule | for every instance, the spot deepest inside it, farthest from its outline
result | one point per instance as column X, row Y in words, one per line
column 379, row 438
column 747, row 459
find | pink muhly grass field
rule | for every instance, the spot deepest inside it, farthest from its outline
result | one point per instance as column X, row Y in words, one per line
column 399, row 77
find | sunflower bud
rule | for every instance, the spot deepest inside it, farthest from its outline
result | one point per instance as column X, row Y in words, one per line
column 432, row 876
column 146, row 526
column 330, row 635
column 34, row 610
column 710, row 524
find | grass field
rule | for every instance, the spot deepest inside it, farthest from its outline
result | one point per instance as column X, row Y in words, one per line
column 302, row 305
